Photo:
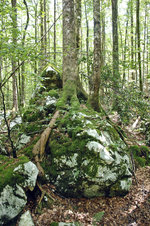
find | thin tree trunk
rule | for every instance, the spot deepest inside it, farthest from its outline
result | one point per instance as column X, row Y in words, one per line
column 87, row 46
column 54, row 31
column 45, row 30
column 95, row 98
column 14, row 39
column 132, row 43
column 144, row 47
column 116, row 75
column 115, row 41
column 138, row 43
column 36, row 37
column 125, row 49
column 23, row 65
column 42, row 32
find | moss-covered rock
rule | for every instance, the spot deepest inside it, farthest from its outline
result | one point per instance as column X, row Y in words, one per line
column 7, row 166
column 51, row 78
column 16, row 176
column 87, row 156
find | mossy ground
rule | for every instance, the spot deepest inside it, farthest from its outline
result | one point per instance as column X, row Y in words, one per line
column 141, row 155
column 27, row 151
column 7, row 165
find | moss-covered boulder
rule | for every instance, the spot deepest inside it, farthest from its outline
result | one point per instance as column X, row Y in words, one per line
column 51, row 78
column 87, row 157
column 7, row 166
column 16, row 177
column 12, row 202
column 17, row 171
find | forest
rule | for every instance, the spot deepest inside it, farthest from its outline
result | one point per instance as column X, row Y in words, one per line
column 74, row 112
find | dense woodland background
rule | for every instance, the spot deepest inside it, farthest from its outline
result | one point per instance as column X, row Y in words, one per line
column 31, row 37
column 99, row 51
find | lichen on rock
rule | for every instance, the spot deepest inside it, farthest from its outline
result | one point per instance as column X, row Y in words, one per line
column 12, row 201
column 87, row 159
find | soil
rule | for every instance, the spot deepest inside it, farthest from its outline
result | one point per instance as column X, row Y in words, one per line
column 132, row 209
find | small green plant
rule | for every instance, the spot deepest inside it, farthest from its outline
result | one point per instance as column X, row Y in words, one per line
column 98, row 217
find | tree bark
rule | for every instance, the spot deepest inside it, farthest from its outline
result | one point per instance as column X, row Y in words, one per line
column 139, row 43
column 14, row 65
column 95, row 98
column 70, row 75
column 54, row 31
column 87, row 47
column 115, row 41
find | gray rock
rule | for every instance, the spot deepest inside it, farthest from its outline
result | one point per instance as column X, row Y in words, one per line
column 90, row 159
column 64, row 224
column 2, row 150
column 12, row 201
column 30, row 171
column 51, row 101
column 26, row 219
column 24, row 139
column 16, row 121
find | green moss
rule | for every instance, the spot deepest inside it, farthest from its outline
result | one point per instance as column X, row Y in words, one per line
column 7, row 165
column 27, row 151
column 69, row 97
column 140, row 161
column 117, row 189
column 135, row 150
column 145, row 151
column 91, row 169
column 113, row 133
column 53, row 93
column 141, row 155
column 32, row 115
column 32, row 128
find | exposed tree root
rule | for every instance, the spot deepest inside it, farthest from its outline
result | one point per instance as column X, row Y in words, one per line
column 39, row 147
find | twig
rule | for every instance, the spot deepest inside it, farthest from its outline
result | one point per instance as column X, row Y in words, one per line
column 8, row 128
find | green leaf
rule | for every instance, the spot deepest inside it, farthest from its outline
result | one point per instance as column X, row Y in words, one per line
column 98, row 216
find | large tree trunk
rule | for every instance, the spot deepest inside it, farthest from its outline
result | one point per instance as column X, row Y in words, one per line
column 69, row 56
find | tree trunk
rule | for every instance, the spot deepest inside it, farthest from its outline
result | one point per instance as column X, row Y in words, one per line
column 132, row 43
column 116, row 75
column 42, row 33
column 23, row 65
column 138, row 43
column 69, row 57
column 54, row 31
column 87, row 47
column 45, row 31
column 115, row 42
column 36, row 36
column 125, row 50
column 94, row 98
column 14, row 39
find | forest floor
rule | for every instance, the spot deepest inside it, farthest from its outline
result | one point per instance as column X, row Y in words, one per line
column 132, row 209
